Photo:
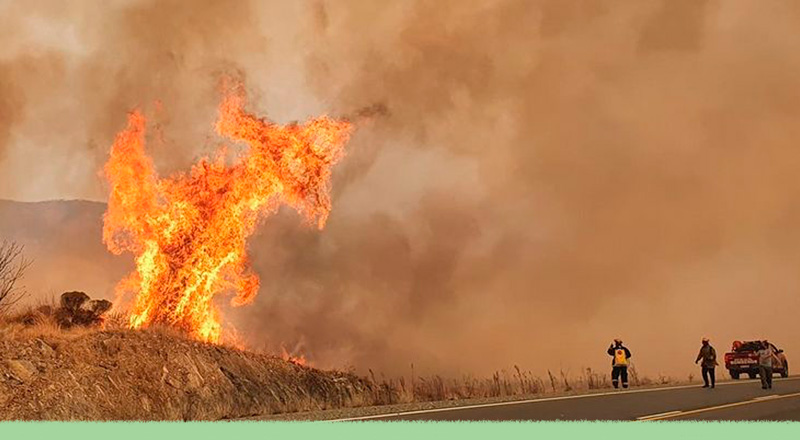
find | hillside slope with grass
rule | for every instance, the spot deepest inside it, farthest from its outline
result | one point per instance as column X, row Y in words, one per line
column 86, row 374
column 48, row 372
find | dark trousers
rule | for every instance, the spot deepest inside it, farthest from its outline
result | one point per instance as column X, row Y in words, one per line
column 708, row 373
column 766, row 376
column 616, row 372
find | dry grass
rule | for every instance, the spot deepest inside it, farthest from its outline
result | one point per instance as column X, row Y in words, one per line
column 49, row 373
column 37, row 320
column 513, row 383
column 111, row 373
column 32, row 323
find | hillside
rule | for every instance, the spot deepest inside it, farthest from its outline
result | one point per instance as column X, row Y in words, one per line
column 155, row 375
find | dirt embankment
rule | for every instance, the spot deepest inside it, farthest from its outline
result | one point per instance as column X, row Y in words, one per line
column 155, row 375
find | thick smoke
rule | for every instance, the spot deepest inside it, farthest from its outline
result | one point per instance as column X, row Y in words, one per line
column 74, row 69
column 548, row 176
column 552, row 175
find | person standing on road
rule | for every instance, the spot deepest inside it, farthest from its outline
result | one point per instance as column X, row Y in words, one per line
column 619, row 363
column 765, row 356
column 709, row 357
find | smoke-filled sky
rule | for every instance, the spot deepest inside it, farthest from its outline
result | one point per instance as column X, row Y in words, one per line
column 549, row 175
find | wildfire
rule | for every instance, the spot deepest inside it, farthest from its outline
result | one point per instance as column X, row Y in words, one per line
column 189, row 231
column 297, row 360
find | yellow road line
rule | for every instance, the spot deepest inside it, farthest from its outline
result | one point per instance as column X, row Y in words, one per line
column 542, row 399
column 674, row 414
column 653, row 416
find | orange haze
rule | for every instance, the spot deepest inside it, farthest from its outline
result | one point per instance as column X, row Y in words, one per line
column 549, row 175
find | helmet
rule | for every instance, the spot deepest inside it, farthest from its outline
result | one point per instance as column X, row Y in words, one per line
column 705, row 339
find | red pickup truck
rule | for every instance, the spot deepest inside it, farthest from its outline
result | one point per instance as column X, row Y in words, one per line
column 744, row 359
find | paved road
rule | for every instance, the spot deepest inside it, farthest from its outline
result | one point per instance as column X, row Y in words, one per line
column 735, row 400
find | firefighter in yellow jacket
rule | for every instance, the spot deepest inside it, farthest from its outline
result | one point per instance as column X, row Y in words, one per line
column 620, row 359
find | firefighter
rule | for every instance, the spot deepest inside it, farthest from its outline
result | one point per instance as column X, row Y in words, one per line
column 765, row 355
column 620, row 359
column 709, row 357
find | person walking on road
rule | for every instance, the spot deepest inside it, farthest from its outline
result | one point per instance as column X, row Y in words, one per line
column 619, row 363
column 765, row 356
column 709, row 357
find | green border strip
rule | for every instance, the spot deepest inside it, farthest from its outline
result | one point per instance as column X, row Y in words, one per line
column 395, row 430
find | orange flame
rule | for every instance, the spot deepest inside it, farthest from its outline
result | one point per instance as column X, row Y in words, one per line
column 188, row 231
column 297, row 360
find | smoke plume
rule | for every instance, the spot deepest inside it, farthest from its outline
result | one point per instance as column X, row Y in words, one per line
column 546, row 175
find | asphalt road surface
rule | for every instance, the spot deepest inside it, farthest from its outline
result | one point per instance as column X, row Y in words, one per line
column 734, row 400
